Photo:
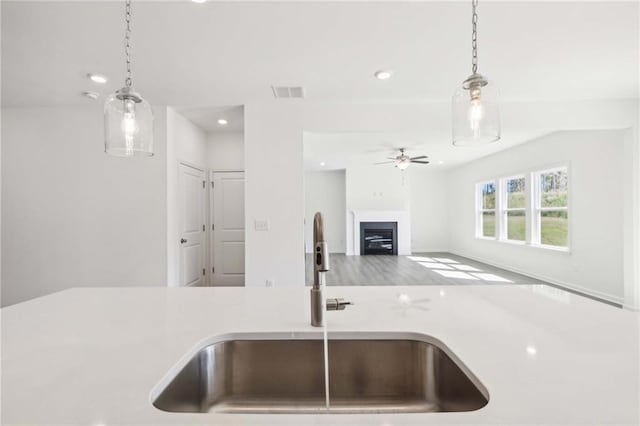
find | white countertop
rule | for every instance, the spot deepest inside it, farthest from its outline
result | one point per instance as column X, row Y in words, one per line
column 92, row 356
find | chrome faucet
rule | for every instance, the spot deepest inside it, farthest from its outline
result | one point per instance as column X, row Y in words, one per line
column 320, row 268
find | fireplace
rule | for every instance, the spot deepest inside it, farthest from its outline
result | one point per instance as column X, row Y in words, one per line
column 379, row 238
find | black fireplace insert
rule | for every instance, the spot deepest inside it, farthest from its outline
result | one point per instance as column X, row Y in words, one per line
column 379, row 238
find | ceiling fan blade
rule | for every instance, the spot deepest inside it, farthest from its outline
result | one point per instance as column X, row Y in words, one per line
column 392, row 158
column 419, row 158
column 384, row 162
column 420, row 162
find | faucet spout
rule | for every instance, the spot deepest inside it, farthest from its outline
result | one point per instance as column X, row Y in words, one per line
column 320, row 268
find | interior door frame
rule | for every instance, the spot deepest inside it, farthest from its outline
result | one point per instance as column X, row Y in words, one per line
column 210, row 224
column 205, row 235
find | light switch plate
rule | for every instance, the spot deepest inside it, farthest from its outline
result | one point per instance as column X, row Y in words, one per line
column 261, row 225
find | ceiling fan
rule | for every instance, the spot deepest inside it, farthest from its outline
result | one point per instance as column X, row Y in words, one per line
column 402, row 161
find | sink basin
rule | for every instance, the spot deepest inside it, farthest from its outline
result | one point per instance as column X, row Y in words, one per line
column 368, row 373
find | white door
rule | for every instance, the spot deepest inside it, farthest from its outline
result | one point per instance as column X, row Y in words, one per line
column 227, row 219
column 191, row 193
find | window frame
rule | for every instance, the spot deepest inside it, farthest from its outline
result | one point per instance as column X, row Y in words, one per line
column 505, row 209
column 533, row 209
column 537, row 209
column 480, row 210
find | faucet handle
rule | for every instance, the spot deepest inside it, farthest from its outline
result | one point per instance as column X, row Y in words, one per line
column 337, row 304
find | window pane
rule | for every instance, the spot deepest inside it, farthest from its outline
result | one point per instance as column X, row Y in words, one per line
column 488, row 224
column 516, row 225
column 553, row 189
column 489, row 195
column 554, row 226
column 515, row 193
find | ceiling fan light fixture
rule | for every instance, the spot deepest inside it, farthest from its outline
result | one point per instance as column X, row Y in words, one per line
column 403, row 164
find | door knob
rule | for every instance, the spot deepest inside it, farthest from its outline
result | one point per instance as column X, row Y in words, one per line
column 182, row 240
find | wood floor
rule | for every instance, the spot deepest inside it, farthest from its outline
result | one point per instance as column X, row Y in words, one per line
column 418, row 269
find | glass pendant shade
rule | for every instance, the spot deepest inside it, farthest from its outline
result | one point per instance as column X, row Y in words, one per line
column 128, row 125
column 475, row 112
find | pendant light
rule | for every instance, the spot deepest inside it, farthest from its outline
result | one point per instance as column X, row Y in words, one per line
column 128, row 119
column 476, row 116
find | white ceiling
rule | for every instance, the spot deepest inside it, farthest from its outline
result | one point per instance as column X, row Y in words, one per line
column 230, row 53
column 343, row 150
column 202, row 58
column 207, row 118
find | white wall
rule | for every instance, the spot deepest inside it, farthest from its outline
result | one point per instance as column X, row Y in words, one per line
column 597, row 202
column 631, row 218
column 428, row 200
column 186, row 143
column 274, row 192
column 419, row 190
column 377, row 188
column 381, row 187
column 225, row 151
column 325, row 192
column 73, row 216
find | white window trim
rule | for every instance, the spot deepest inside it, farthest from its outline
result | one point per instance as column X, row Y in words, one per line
column 536, row 210
column 532, row 211
column 480, row 210
column 504, row 209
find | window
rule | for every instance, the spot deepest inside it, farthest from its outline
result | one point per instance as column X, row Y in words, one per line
column 486, row 219
column 514, row 213
column 551, row 219
column 530, row 208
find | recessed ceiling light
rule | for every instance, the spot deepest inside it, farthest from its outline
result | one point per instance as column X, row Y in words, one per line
column 382, row 74
column 322, row 163
column 199, row 1
column 97, row 78
column 223, row 122
column 440, row 162
column 91, row 95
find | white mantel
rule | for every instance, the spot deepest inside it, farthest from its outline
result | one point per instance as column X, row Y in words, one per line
column 401, row 217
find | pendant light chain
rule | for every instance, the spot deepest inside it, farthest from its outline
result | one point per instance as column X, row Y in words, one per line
column 474, row 36
column 127, row 42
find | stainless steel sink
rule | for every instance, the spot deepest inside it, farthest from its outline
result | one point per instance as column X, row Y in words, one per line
column 368, row 373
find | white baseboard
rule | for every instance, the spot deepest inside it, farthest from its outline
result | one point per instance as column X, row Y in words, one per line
column 571, row 286
column 430, row 250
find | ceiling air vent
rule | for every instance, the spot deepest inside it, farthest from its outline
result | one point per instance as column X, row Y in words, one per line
column 288, row 92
